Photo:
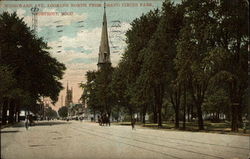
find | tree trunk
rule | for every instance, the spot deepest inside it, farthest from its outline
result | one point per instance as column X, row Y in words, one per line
column 177, row 108
column 143, row 119
column 192, row 111
column 11, row 118
column 94, row 116
column 144, row 113
column 118, row 114
column 159, row 115
column 218, row 116
column 4, row 113
column 18, row 114
column 235, row 106
column 200, row 119
column 240, row 113
column 175, row 100
column 141, row 116
column 234, row 123
column 158, row 102
column 155, row 114
column 184, row 108
column 188, row 112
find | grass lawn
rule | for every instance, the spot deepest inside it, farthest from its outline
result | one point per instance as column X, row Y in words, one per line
column 222, row 127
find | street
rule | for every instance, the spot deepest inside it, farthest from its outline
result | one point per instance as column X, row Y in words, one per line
column 85, row 140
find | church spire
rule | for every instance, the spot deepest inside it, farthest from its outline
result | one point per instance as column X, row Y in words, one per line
column 69, row 95
column 104, row 50
column 67, row 86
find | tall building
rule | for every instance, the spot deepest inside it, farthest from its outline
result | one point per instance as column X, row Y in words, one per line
column 69, row 96
column 104, row 50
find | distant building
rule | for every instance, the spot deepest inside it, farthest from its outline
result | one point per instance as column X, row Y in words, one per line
column 69, row 96
column 104, row 50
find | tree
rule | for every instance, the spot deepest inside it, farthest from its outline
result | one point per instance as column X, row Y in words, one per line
column 50, row 113
column 118, row 87
column 217, row 103
column 125, row 76
column 26, row 56
column 233, row 36
column 195, row 42
column 63, row 112
column 138, row 37
column 158, row 66
column 103, row 87
column 89, row 91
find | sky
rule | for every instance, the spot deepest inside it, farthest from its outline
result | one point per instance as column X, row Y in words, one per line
column 73, row 31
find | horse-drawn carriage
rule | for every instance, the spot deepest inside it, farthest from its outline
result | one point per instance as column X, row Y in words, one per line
column 103, row 120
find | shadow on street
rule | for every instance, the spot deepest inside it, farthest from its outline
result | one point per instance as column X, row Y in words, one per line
column 49, row 123
column 14, row 131
column 40, row 123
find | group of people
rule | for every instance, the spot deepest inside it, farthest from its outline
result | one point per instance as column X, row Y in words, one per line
column 102, row 120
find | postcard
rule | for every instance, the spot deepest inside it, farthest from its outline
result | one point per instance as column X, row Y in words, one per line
column 124, row 79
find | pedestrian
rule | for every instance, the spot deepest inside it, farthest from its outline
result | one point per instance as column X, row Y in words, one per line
column 133, row 123
column 99, row 120
column 26, row 122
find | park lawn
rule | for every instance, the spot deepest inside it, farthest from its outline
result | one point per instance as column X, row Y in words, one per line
column 222, row 127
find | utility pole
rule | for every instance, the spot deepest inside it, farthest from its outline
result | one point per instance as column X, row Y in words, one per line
column 34, row 11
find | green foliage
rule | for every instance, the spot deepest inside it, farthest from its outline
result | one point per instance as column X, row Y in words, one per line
column 89, row 90
column 218, row 101
column 27, row 70
column 97, row 90
column 50, row 113
column 33, row 69
column 6, row 82
column 63, row 112
column 126, row 83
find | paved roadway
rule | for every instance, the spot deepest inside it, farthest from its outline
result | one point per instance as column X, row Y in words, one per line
column 85, row 140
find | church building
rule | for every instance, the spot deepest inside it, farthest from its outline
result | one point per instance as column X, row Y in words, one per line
column 69, row 96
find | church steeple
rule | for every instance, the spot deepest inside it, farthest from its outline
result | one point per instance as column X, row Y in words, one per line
column 69, row 95
column 67, row 86
column 104, row 50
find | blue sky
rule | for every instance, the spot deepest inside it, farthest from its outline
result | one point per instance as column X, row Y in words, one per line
column 76, row 43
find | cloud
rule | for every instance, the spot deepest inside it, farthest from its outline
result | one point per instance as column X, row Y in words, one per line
column 84, row 40
column 20, row 12
column 85, row 45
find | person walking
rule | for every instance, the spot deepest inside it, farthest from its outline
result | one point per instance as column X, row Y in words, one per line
column 26, row 122
column 133, row 123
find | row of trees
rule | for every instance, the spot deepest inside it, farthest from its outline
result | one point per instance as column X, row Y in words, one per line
column 189, row 57
column 27, row 70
